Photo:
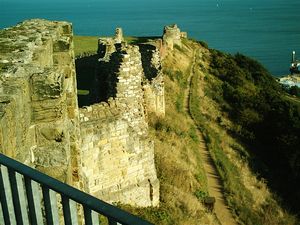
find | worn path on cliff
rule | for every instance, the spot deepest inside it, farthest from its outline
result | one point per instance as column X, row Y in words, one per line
column 214, row 181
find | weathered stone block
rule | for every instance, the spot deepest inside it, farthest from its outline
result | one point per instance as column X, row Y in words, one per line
column 7, row 126
column 67, row 29
column 62, row 58
column 53, row 133
column 47, row 85
column 55, row 154
column 47, row 111
column 62, row 45
column 43, row 54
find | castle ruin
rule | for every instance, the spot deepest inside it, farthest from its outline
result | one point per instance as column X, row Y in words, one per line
column 102, row 147
column 114, row 132
column 172, row 36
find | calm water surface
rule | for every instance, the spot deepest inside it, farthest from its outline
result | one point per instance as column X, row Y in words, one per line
column 267, row 30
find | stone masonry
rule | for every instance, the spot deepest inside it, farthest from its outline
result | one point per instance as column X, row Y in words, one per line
column 115, row 132
column 39, row 123
column 153, row 82
column 172, row 36
column 104, row 148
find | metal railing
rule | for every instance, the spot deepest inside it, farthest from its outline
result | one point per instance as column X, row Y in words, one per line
column 30, row 197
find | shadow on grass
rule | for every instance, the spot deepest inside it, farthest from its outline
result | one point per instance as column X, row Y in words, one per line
column 141, row 40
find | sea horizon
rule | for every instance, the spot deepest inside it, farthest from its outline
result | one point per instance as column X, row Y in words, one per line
column 265, row 30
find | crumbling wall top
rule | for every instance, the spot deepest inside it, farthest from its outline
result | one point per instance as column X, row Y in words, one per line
column 119, row 35
column 29, row 42
column 172, row 31
column 108, row 45
column 172, row 35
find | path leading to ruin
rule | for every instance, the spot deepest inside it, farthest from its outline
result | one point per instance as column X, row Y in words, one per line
column 214, row 181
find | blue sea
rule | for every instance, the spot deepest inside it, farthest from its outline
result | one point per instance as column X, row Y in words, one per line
column 267, row 30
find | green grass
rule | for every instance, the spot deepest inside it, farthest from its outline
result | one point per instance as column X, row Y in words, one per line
column 179, row 103
column 140, row 40
column 293, row 99
column 83, row 92
column 89, row 44
column 85, row 44
column 238, row 198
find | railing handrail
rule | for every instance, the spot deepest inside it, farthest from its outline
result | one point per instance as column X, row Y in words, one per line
column 87, row 200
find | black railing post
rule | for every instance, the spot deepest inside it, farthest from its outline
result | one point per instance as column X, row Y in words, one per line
column 90, row 217
column 112, row 222
column 50, row 203
column 70, row 211
column 19, row 201
column 34, row 202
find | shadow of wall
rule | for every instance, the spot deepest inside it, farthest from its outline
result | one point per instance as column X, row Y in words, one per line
column 86, row 68
column 146, row 51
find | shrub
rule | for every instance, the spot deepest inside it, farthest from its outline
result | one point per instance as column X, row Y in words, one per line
column 203, row 44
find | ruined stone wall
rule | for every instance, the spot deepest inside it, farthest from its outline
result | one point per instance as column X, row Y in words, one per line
column 118, row 35
column 104, row 148
column 154, row 96
column 115, row 139
column 172, row 36
column 153, row 82
column 39, row 122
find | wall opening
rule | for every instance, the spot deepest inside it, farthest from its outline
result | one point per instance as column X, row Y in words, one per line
column 146, row 51
column 85, row 74
column 97, row 76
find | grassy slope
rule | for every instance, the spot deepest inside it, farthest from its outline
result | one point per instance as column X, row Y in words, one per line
column 178, row 162
column 247, row 195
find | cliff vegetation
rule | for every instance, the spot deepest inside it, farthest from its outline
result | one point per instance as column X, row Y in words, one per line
column 248, row 123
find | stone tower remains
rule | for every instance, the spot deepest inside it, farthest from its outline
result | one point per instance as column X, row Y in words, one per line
column 119, row 36
column 172, row 36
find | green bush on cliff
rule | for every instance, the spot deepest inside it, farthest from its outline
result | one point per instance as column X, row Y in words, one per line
column 269, row 123
column 294, row 90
